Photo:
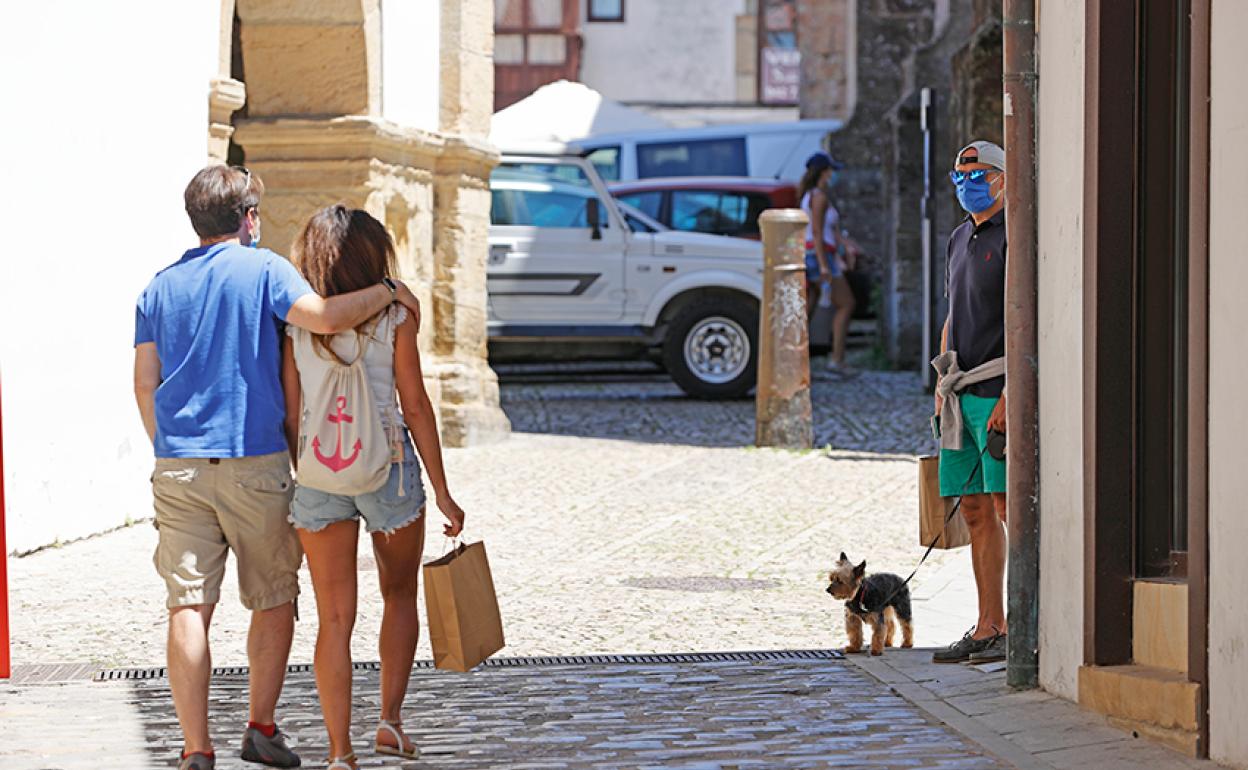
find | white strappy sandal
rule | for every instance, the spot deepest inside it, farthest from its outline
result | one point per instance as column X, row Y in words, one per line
column 342, row 763
column 395, row 751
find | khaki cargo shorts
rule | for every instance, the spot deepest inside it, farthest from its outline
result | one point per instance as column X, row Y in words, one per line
column 205, row 508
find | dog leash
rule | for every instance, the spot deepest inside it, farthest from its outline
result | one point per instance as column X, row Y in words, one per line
column 979, row 464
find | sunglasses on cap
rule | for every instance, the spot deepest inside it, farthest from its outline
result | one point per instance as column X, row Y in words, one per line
column 958, row 177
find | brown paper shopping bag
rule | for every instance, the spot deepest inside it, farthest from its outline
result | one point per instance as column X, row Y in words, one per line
column 934, row 510
column 465, row 627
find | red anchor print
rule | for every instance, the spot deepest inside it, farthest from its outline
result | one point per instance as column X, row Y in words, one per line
column 336, row 462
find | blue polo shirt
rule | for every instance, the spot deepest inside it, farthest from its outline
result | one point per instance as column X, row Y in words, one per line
column 216, row 317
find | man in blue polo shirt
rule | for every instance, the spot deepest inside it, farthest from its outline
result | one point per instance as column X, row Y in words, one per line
column 206, row 378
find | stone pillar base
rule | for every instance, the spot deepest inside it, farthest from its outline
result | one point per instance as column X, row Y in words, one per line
column 468, row 405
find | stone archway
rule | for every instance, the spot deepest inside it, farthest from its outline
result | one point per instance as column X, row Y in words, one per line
column 313, row 131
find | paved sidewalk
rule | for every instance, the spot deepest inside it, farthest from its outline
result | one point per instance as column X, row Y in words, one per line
column 1032, row 730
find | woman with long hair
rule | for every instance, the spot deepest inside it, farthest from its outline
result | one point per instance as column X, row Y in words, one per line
column 826, row 261
column 338, row 251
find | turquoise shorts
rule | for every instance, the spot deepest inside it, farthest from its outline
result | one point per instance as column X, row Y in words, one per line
column 956, row 465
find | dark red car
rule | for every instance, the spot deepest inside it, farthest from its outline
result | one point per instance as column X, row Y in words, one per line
column 722, row 205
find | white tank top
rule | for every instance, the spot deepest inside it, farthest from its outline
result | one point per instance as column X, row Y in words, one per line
column 378, row 359
column 831, row 223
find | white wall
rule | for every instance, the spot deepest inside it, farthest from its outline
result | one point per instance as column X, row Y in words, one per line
column 410, row 65
column 1228, row 371
column 1061, row 53
column 688, row 46
column 106, row 115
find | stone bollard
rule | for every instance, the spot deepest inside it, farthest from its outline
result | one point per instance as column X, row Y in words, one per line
column 782, row 400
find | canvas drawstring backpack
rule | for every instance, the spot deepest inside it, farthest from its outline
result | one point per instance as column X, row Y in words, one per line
column 343, row 446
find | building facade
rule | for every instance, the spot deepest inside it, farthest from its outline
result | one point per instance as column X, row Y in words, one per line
column 384, row 106
column 692, row 63
column 1143, row 180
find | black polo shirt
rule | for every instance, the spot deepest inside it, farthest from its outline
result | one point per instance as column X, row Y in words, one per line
column 976, row 289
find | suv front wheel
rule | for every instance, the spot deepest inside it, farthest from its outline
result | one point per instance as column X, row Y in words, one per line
column 711, row 348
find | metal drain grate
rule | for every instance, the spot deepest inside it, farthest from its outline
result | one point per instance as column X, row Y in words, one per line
column 764, row 656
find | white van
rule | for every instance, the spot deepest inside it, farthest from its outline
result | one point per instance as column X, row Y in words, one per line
column 569, row 265
column 761, row 150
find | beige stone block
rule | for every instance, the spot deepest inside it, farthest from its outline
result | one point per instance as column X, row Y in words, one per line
column 1159, row 625
column 473, row 425
column 468, row 407
column 344, row 138
column 1142, row 694
column 321, row 12
column 225, row 96
column 747, row 45
column 306, row 70
column 467, row 63
column 1183, row 741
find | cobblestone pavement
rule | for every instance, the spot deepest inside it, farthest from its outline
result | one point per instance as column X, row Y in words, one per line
column 876, row 412
column 775, row 714
column 619, row 517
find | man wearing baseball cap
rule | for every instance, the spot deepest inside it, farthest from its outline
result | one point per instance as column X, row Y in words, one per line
column 970, row 390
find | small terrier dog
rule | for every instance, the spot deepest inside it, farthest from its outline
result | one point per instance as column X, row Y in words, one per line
column 878, row 600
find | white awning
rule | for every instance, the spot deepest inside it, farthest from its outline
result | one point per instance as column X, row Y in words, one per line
column 564, row 111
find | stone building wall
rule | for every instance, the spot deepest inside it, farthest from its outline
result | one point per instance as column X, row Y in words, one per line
column 827, row 35
column 899, row 48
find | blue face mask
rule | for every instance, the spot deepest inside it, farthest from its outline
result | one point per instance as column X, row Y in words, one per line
column 973, row 191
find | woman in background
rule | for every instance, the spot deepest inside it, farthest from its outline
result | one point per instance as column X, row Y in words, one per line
column 826, row 261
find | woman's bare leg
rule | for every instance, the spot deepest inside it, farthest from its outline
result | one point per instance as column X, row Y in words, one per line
column 331, row 559
column 843, row 298
column 398, row 569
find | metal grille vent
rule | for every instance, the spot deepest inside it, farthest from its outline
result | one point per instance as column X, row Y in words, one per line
column 120, row 674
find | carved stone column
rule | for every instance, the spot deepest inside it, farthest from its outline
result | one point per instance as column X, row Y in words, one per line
column 225, row 96
column 470, row 409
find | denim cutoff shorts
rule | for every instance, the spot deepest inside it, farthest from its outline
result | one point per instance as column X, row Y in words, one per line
column 812, row 266
column 384, row 510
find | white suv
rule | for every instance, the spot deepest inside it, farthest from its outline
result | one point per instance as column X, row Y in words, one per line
column 569, row 264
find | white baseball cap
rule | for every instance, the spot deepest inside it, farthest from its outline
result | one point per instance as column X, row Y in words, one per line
column 989, row 154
